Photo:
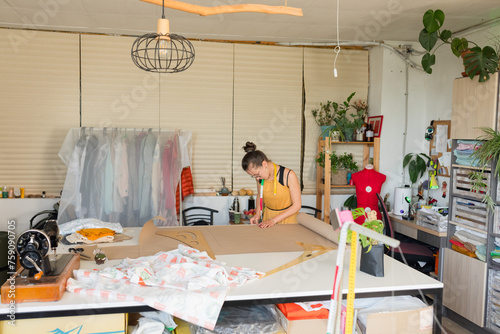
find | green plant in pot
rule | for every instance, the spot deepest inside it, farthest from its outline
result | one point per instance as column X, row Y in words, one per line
column 484, row 154
column 324, row 116
column 476, row 60
column 417, row 165
column 340, row 166
column 344, row 161
column 343, row 123
column 372, row 255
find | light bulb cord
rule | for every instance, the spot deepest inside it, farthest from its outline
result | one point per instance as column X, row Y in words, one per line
column 163, row 9
column 337, row 48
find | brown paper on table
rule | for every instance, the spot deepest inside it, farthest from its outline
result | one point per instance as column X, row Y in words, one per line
column 228, row 239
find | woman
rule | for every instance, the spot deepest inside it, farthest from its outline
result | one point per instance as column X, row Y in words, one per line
column 281, row 192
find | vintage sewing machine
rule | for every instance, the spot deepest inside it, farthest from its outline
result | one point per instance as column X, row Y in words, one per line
column 41, row 275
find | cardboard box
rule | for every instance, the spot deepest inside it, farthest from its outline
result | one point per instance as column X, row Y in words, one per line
column 413, row 321
column 102, row 323
column 309, row 326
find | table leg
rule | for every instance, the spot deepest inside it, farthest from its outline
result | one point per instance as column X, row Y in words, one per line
column 438, row 312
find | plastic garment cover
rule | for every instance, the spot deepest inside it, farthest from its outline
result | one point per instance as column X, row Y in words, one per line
column 254, row 319
column 122, row 175
column 78, row 224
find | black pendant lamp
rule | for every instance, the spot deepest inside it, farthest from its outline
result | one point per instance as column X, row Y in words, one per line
column 162, row 52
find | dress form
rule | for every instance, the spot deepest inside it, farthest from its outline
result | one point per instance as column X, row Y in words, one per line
column 368, row 183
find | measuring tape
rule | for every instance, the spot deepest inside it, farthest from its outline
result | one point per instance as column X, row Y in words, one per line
column 352, row 281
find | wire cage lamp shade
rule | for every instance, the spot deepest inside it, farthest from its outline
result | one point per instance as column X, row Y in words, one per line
column 159, row 53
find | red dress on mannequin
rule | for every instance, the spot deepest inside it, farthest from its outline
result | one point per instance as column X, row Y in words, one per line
column 368, row 183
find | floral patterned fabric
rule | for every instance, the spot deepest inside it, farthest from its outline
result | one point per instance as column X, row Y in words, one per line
column 185, row 283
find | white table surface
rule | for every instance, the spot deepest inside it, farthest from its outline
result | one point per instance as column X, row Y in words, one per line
column 307, row 279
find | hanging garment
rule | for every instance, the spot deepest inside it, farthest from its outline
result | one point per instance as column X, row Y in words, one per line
column 88, row 172
column 70, row 206
column 147, row 153
column 118, row 176
column 187, row 187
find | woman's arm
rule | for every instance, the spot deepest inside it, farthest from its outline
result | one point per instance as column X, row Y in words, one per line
column 293, row 185
column 255, row 219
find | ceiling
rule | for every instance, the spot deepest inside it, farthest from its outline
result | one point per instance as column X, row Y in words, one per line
column 360, row 20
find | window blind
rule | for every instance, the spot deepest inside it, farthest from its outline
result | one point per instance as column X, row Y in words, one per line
column 200, row 99
column 39, row 94
column 267, row 106
column 321, row 86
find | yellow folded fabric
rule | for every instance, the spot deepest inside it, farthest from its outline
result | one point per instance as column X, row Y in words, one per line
column 96, row 233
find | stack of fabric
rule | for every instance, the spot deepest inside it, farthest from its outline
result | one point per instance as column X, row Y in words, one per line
column 464, row 150
column 470, row 243
column 495, row 254
column 92, row 236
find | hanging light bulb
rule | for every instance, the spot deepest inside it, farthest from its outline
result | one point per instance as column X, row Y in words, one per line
column 163, row 30
column 162, row 52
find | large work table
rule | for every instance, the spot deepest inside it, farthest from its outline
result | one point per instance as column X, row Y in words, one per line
column 307, row 281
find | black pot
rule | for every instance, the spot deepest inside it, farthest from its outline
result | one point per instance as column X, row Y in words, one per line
column 372, row 262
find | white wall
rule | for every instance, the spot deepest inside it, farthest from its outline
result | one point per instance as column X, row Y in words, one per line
column 429, row 98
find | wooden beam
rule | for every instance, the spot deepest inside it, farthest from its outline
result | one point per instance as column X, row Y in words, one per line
column 227, row 9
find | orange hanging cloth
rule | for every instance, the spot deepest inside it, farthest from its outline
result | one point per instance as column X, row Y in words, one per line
column 187, row 187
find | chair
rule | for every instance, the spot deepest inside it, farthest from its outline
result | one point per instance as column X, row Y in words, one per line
column 310, row 210
column 413, row 251
column 198, row 215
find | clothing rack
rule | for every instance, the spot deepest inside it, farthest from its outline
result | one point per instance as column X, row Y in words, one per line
column 125, row 175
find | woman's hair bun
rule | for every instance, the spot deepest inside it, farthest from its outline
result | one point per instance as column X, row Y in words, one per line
column 249, row 147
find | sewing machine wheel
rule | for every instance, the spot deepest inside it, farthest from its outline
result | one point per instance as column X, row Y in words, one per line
column 34, row 244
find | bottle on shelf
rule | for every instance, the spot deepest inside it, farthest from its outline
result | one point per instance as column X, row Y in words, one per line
column 251, row 203
column 369, row 133
column 364, row 127
column 236, row 205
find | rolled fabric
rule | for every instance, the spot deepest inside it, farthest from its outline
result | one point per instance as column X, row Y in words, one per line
column 318, row 226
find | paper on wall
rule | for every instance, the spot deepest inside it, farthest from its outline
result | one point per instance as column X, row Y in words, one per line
column 445, row 159
column 441, row 138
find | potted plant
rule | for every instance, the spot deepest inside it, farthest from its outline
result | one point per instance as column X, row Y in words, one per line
column 476, row 60
column 99, row 256
column 324, row 117
column 340, row 166
column 372, row 252
column 360, row 120
column 342, row 122
column 484, row 154
column 417, row 165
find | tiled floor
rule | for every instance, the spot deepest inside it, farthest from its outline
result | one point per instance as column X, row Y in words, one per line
column 451, row 327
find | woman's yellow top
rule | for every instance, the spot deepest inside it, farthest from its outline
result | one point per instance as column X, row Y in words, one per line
column 277, row 196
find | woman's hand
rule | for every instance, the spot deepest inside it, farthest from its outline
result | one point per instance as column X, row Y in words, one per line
column 267, row 223
column 254, row 220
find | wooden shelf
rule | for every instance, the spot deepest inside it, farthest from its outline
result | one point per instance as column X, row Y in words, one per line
column 323, row 190
column 468, row 227
column 470, row 167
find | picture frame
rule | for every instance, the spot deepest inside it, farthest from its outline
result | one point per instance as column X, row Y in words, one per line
column 376, row 122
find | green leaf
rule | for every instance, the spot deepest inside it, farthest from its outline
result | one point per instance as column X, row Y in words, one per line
column 433, row 20
column 428, row 39
column 426, row 156
column 459, row 45
column 358, row 212
column 350, row 97
column 445, row 35
column 412, row 169
column 407, row 159
column 421, row 166
column 481, row 61
column 427, row 61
